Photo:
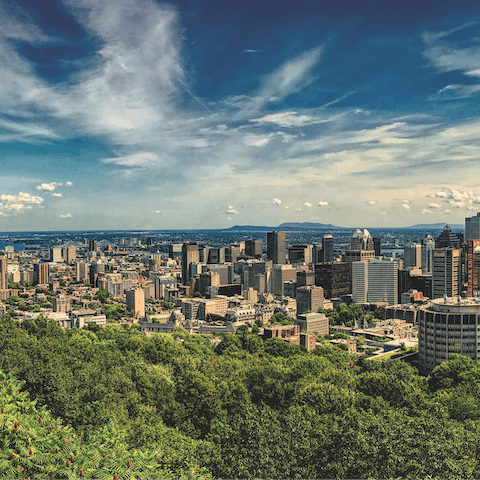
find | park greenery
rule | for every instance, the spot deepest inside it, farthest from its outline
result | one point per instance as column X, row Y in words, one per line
column 113, row 403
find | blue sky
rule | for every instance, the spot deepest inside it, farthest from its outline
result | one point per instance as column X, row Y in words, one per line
column 204, row 114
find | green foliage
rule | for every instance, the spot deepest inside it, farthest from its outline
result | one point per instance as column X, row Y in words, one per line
column 102, row 295
column 167, row 305
column 280, row 318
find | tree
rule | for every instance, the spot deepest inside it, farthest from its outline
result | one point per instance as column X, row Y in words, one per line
column 102, row 295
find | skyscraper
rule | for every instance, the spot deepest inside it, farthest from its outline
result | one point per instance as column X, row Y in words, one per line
column 3, row 273
column 448, row 239
column 428, row 246
column 472, row 228
column 446, row 272
column 412, row 257
column 473, row 267
column 276, row 247
column 135, row 300
column 327, row 248
column 375, row 281
column 190, row 254
column 309, row 298
column 254, row 248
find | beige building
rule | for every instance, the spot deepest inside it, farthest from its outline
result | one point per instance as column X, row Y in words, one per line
column 135, row 300
column 446, row 274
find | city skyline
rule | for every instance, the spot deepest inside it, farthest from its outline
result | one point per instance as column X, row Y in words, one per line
column 146, row 115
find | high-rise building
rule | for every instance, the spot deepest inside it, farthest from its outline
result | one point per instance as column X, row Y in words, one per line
column 472, row 228
column 334, row 278
column 361, row 250
column 3, row 273
column 317, row 253
column 428, row 246
column 448, row 239
column 92, row 245
column 282, row 274
column 375, row 281
column 377, row 244
column 446, row 272
column 328, row 249
column 473, row 267
column 135, row 300
column 216, row 255
column 190, row 254
column 56, row 255
column 81, row 271
column 412, row 256
column 276, row 247
column 69, row 254
column 300, row 254
column 41, row 273
column 254, row 248
column 305, row 278
column 162, row 283
column 447, row 327
column 232, row 253
column 309, row 298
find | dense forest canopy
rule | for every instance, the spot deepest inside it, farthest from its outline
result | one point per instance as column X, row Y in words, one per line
column 182, row 406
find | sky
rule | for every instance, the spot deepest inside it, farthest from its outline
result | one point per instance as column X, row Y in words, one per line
column 138, row 114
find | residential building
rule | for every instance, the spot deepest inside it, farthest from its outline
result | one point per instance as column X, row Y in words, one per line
column 41, row 273
column 3, row 273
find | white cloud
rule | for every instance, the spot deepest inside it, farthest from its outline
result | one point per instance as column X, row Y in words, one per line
column 137, row 160
column 426, row 211
column 231, row 211
column 286, row 206
column 47, row 186
column 307, row 204
column 57, row 195
column 277, row 201
column 285, row 119
column 68, row 184
column 405, row 206
column 322, row 203
column 434, row 205
column 298, row 209
column 66, row 215
column 229, row 218
column 21, row 198
column 257, row 140
column 248, row 50
column 447, row 212
column 371, row 202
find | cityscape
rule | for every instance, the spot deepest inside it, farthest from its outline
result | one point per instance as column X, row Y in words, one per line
column 239, row 240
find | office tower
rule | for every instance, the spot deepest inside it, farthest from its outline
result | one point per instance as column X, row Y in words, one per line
column 276, row 247
column 254, row 248
column 300, row 254
column 135, row 300
column 472, row 228
column 190, row 254
column 41, row 273
column 334, row 278
column 448, row 239
column 428, row 246
column 377, row 243
column 317, row 253
column 232, row 253
column 225, row 271
column 309, row 298
column 446, row 272
column 60, row 303
column 216, row 255
column 361, row 241
column 81, row 271
column 375, row 281
column 328, row 249
column 203, row 281
column 448, row 327
column 162, row 283
column 56, row 255
column 150, row 241
column 361, row 250
column 92, row 246
column 282, row 274
column 174, row 250
column 3, row 273
column 305, row 278
column 412, row 256
column 251, row 269
column 473, row 267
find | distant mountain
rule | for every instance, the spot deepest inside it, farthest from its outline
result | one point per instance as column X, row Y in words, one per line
column 285, row 227
column 436, row 226
column 310, row 226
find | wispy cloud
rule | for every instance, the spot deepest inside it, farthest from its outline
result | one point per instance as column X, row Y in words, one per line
column 66, row 215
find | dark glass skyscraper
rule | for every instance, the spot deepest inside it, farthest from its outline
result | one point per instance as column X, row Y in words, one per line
column 276, row 247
